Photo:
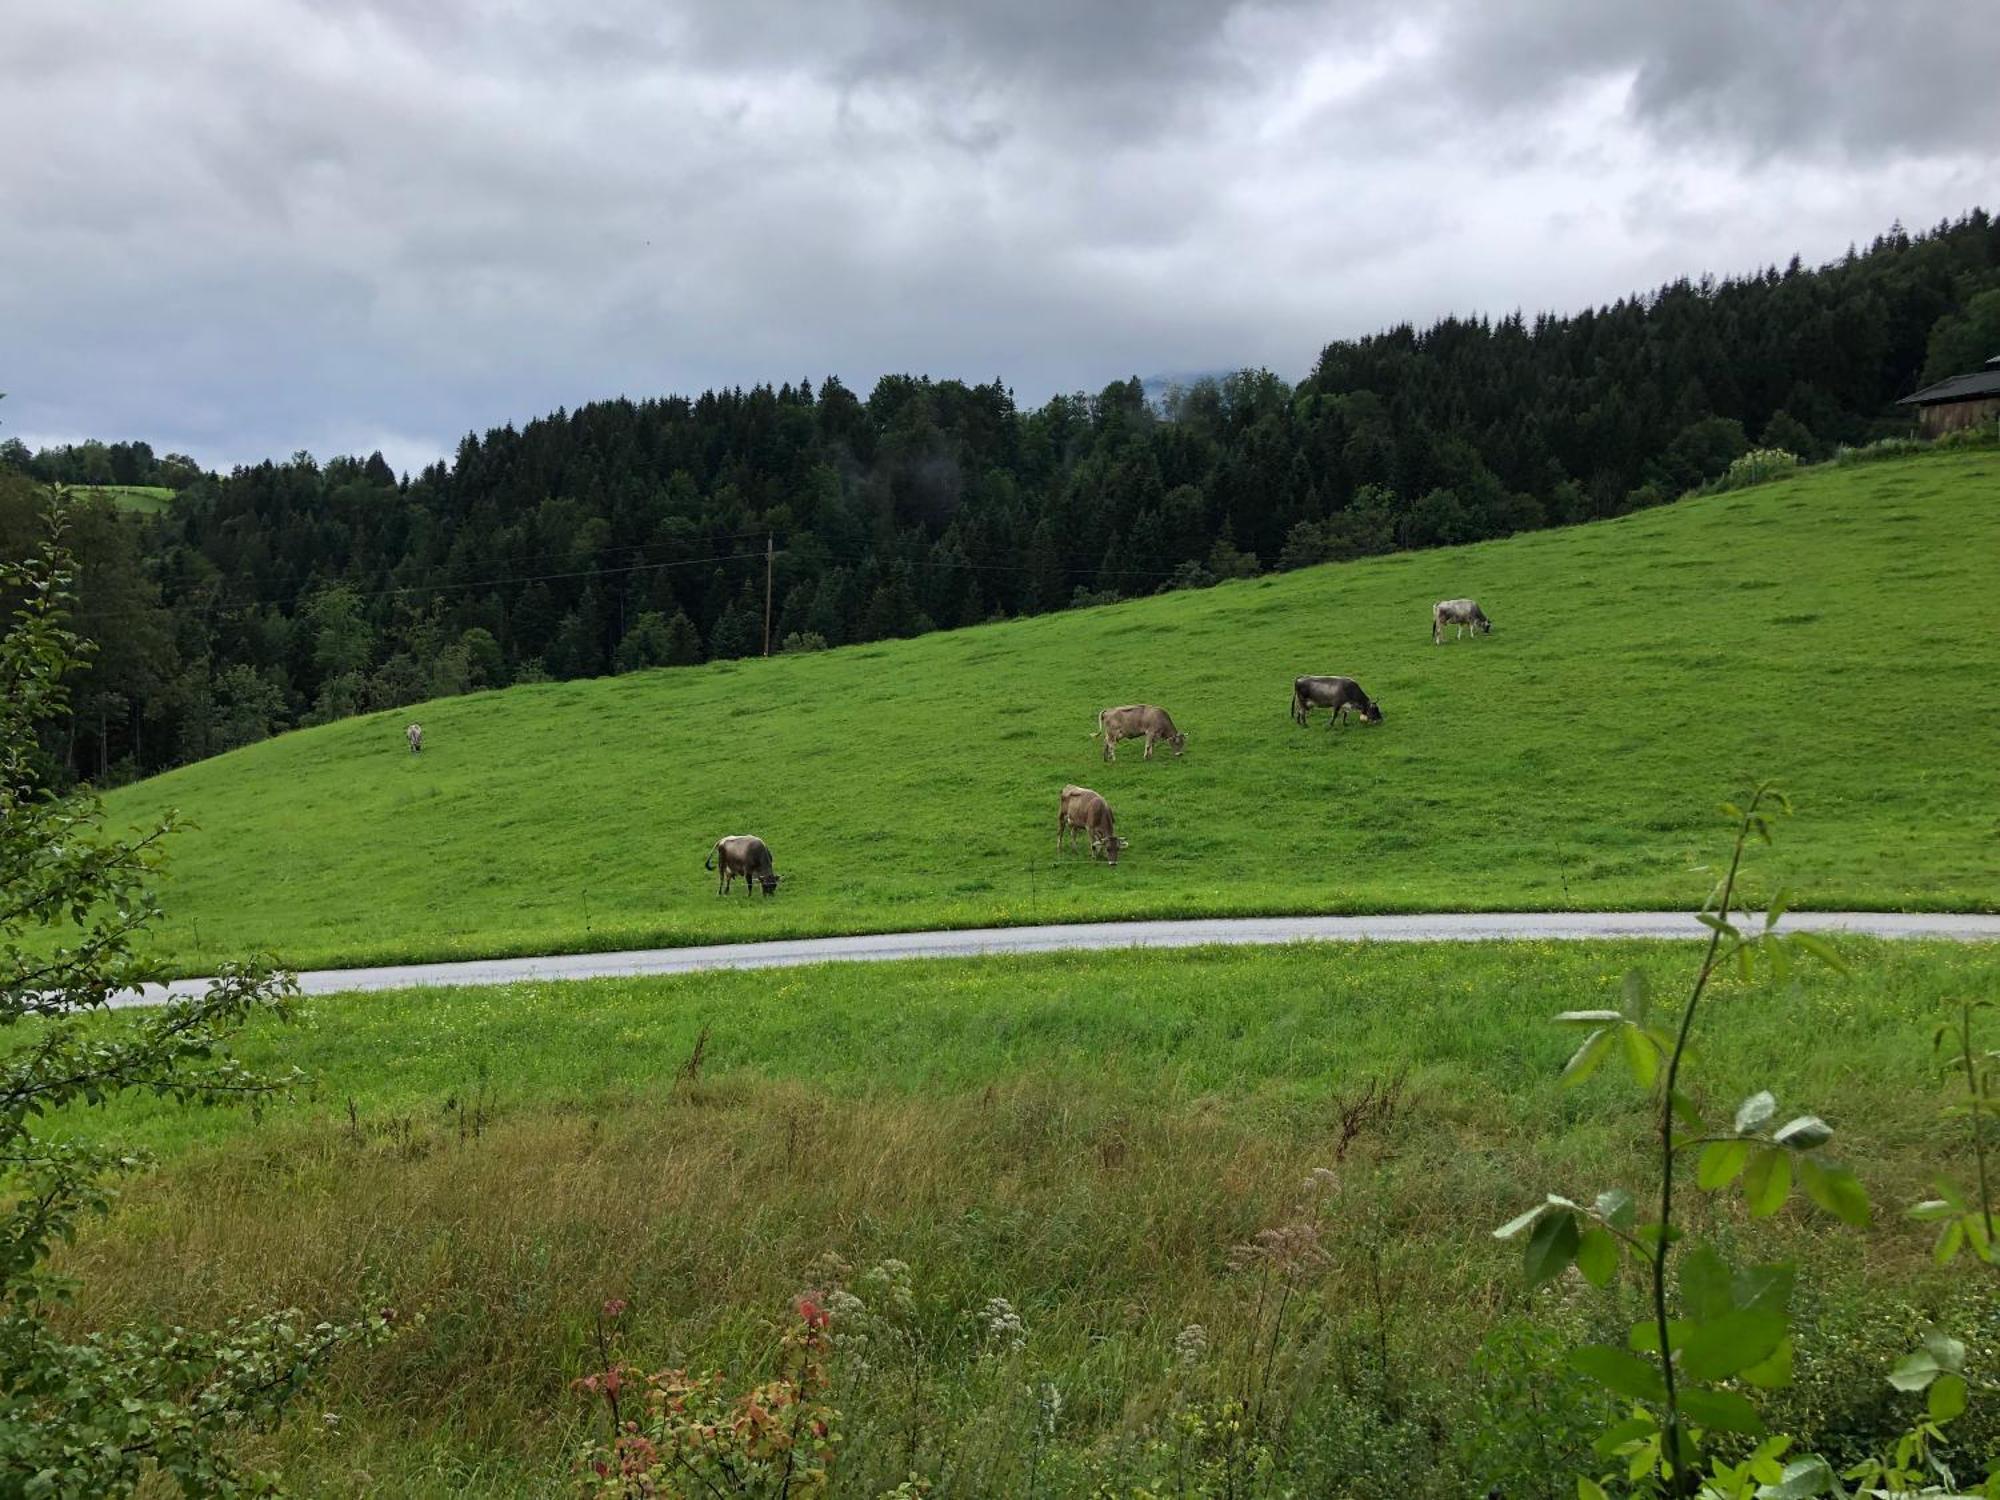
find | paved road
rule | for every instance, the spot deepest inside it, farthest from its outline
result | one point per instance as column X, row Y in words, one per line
column 1457, row 927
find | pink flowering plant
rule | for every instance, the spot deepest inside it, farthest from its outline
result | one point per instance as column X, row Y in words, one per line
column 679, row 1433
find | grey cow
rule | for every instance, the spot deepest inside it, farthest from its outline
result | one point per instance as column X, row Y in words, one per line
column 1084, row 811
column 1462, row 615
column 1341, row 695
column 1138, row 721
column 742, row 854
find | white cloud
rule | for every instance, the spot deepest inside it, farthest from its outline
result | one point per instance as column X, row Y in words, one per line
column 241, row 227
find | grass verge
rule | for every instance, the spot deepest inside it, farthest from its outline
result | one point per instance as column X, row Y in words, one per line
column 1088, row 1137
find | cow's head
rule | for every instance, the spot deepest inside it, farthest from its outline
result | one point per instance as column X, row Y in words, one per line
column 1179, row 742
column 771, row 883
column 1371, row 713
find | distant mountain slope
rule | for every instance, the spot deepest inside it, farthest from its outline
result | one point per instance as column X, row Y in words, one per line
column 1814, row 630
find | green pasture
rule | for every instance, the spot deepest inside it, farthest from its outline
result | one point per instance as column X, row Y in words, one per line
column 1824, row 630
column 137, row 497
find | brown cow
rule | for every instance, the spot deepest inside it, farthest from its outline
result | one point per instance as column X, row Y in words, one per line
column 742, row 854
column 1342, row 695
column 1083, row 811
column 1136, row 721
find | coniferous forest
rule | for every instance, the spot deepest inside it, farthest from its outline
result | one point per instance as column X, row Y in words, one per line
column 630, row 534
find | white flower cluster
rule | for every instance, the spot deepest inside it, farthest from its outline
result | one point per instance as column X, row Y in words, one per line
column 1190, row 1344
column 890, row 1283
column 1004, row 1328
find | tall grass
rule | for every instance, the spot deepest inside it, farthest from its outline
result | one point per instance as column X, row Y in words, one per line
column 1088, row 1137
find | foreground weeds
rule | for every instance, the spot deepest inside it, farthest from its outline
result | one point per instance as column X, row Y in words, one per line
column 1028, row 1289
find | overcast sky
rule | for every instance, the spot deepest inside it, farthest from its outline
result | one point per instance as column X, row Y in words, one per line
column 237, row 228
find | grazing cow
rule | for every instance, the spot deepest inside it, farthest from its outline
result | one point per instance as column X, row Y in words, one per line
column 1462, row 615
column 1342, row 695
column 1083, row 811
column 415, row 735
column 1135, row 721
column 742, row 854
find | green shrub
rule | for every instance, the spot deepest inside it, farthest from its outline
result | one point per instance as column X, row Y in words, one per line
column 1757, row 466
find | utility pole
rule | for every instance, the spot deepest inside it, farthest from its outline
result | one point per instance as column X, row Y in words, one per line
column 768, row 554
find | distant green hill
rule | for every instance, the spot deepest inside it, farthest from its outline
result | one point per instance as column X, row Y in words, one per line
column 1832, row 630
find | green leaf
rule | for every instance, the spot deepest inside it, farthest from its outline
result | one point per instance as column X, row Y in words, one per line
column 1946, row 1350
column 1642, row 1058
column 1597, row 1257
column 1725, row 1411
column 1914, row 1371
column 1836, row 1190
column 1626, row 1374
column 1768, row 1182
column 1755, row 1112
column 1583, row 1062
column 1722, row 1162
column 1683, row 1107
column 1705, row 1284
column 1641, row 1424
column 1615, row 1207
column 1949, row 1243
column 1803, row 1479
column 1519, row 1222
column 1780, row 957
column 1764, row 1286
column 1947, row 1397
column 1776, row 1371
column 1638, row 997
column 1644, row 1337
column 1819, row 948
column 1805, row 1133
column 1733, row 1343
column 1552, row 1246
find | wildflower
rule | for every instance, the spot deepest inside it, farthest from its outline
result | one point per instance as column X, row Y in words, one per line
column 1190, row 1344
column 1003, row 1325
column 1049, row 1405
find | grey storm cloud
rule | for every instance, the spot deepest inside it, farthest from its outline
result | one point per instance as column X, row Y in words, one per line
column 242, row 227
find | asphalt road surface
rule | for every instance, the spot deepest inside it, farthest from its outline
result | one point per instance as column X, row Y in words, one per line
column 1453, row 927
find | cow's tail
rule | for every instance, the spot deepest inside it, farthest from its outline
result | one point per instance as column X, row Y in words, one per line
column 709, row 863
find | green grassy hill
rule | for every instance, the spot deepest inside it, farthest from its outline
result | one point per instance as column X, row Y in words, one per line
column 1830, row 631
column 141, row 497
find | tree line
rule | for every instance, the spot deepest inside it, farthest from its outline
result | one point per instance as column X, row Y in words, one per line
column 632, row 534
